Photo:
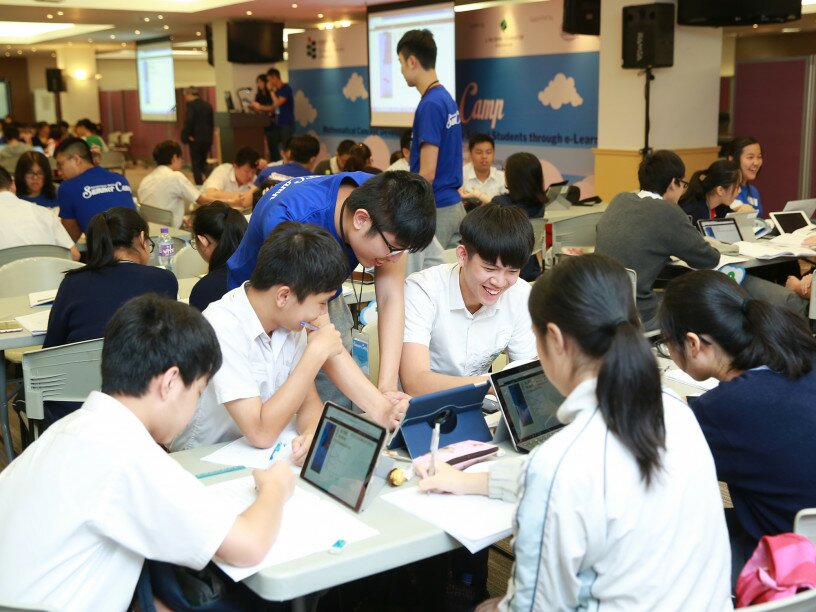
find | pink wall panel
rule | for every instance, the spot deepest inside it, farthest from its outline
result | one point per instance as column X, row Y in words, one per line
column 768, row 103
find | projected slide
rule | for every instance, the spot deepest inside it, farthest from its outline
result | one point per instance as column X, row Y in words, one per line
column 393, row 102
column 157, row 90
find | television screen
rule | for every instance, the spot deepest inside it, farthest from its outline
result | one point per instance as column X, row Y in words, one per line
column 157, row 88
column 392, row 101
column 254, row 42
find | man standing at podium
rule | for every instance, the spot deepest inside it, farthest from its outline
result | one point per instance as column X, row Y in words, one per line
column 198, row 132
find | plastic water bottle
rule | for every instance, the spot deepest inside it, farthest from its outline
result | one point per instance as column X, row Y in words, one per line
column 166, row 249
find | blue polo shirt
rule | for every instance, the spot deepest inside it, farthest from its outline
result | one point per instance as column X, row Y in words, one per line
column 286, row 111
column 436, row 122
column 41, row 199
column 310, row 199
column 288, row 170
column 94, row 191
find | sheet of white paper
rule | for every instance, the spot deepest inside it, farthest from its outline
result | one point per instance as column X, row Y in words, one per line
column 36, row 323
column 309, row 525
column 475, row 520
column 768, row 250
column 39, row 298
column 243, row 453
column 730, row 259
column 680, row 376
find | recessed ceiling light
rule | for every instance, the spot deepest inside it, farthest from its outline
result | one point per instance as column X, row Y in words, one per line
column 147, row 19
column 166, row 27
column 294, row 6
column 791, row 30
column 49, row 16
column 60, row 13
column 19, row 51
column 755, row 26
column 198, row 33
column 320, row 15
column 7, row 54
column 345, row 24
column 160, row 16
column 113, row 36
column 249, row 12
column 329, row 26
column 137, row 32
column 33, row 49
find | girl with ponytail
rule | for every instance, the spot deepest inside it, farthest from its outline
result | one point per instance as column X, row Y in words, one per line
column 760, row 421
column 627, row 489
column 217, row 232
column 116, row 270
column 712, row 191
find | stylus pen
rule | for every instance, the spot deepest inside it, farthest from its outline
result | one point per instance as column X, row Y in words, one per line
column 308, row 326
column 434, row 449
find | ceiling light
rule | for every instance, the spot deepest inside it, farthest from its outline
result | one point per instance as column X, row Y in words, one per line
column 345, row 24
column 49, row 16
column 53, row 55
column 320, row 15
column 755, row 26
column 166, row 27
column 33, row 49
column 24, row 29
column 19, row 51
column 198, row 33
column 7, row 54
column 329, row 26
column 97, row 76
column 124, row 44
column 160, row 16
column 147, row 19
column 80, row 74
column 249, row 13
column 137, row 32
column 60, row 13
column 791, row 30
column 294, row 6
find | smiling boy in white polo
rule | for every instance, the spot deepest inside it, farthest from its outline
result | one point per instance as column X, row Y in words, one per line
column 460, row 317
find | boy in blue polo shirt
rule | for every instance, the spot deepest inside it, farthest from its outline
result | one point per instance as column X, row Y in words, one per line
column 436, row 146
column 87, row 189
column 303, row 151
column 375, row 219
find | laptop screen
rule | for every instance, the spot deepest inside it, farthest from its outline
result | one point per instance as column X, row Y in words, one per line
column 528, row 400
column 724, row 230
column 789, row 222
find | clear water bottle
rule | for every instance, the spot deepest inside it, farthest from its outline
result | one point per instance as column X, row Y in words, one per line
column 166, row 249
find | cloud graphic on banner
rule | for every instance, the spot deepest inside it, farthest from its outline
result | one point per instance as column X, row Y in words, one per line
column 560, row 92
column 355, row 88
column 305, row 113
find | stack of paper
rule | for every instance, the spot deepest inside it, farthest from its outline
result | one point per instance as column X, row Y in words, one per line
column 36, row 323
column 767, row 249
column 309, row 525
column 475, row 520
column 41, row 298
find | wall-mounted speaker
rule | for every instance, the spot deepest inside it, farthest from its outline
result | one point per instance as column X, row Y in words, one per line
column 648, row 36
column 582, row 17
column 54, row 81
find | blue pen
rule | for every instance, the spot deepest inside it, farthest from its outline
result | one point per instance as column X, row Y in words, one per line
column 275, row 450
column 226, row 470
column 308, row 326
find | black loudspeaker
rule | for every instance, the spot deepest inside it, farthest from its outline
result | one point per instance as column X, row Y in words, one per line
column 648, row 36
column 716, row 13
column 582, row 17
column 54, row 81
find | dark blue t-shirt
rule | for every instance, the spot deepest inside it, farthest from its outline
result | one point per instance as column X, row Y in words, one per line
column 761, row 428
column 209, row 289
column 92, row 192
column 289, row 170
column 286, row 111
column 41, row 199
column 310, row 199
column 698, row 209
column 436, row 122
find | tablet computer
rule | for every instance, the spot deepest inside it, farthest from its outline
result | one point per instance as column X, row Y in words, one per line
column 789, row 222
column 343, row 455
column 556, row 189
column 724, row 230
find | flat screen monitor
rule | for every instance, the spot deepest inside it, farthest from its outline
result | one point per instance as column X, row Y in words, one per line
column 392, row 100
column 254, row 42
column 157, row 89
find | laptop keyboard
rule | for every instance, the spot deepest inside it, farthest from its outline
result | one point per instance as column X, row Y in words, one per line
column 529, row 445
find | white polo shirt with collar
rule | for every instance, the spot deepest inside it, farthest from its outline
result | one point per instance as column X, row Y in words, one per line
column 462, row 343
column 492, row 186
column 27, row 223
column 254, row 364
column 223, row 178
column 168, row 189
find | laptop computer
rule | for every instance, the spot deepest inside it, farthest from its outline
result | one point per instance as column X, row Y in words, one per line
column 529, row 403
column 791, row 221
column 724, row 230
column 745, row 223
column 808, row 206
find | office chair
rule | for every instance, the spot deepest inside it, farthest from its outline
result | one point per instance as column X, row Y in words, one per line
column 156, row 215
column 33, row 250
column 187, row 263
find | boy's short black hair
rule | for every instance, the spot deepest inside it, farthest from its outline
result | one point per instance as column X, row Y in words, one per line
column 273, row 72
column 657, row 171
column 247, row 156
column 479, row 139
column 148, row 336
column 302, row 148
column 5, row 180
column 420, row 44
column 345, row 146
column 401, row 203
column 74, row 146
column 495, row 232
column 405, row 138
column 303, row 257
column 164, row 151
column 11, row 131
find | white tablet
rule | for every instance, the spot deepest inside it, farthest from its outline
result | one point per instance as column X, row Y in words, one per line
column 789, row 222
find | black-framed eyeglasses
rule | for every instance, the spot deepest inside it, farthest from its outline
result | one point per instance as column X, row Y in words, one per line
column 392, row 250
column 150, row 244
column 683, row 183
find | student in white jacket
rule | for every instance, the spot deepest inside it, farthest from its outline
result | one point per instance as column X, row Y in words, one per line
column 620, row 510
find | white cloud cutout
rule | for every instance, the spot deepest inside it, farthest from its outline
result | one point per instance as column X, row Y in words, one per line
column 355, row 88
column 560, row 92
column 305, row 113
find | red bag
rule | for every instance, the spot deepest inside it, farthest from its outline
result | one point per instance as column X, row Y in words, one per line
column 781, row 566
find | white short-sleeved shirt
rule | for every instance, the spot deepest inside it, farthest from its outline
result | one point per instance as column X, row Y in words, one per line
column 255, row 364
column 493, row 185
column 400, row 164
column 25, row 223
column 222, row 178
column 168, row 189
column 462, row 343
column 89, row 501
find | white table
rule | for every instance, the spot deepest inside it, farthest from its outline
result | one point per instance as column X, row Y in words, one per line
column 553, row 216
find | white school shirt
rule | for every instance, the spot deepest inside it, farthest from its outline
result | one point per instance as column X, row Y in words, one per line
column 400, row 164
column 222, row 178
column 462, row 343
column 89, row 501
column 590, row 535
column 23, row 223
column 493, row 185
column 254, row 364
column 168, row 189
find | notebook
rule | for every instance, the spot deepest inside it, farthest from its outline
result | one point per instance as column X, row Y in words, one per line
column 724, row 230
column 529, row 403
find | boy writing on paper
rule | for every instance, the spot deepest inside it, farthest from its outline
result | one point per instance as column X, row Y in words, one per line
column 459, row 317
column 270, row 360
column 106, row 495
